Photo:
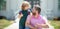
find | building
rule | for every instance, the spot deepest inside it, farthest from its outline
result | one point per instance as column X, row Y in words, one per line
column 50, row 8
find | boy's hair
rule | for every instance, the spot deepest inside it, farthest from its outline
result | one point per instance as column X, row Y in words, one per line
column 24, row 4
column 37, row 7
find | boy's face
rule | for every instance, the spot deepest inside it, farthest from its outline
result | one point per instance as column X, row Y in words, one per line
column 26, row 8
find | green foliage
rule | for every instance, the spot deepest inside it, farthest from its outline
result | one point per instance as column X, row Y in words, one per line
column 56, row 24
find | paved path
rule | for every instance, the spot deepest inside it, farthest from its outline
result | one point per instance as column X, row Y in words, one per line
column 14, row 25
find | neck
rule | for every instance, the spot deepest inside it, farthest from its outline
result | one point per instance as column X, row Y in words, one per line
column 36, row 15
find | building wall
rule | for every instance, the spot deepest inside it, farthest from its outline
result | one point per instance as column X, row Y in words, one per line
column 49, row 8
column 12, row 6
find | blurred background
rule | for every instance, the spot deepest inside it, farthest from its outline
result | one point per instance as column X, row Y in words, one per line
column 10, row 8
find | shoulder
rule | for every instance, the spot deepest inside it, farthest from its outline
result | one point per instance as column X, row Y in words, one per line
column 28, row 12
column 20, row 11
column 29, row 16
column 44, row 18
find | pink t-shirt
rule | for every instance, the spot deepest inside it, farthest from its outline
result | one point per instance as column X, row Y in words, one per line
column 34, row 20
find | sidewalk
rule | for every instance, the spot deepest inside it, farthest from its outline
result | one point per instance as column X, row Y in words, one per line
column 13, row 26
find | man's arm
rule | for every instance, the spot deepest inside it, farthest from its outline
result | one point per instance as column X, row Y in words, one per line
column 45, row 25
column 28, row 25
column 28, row 22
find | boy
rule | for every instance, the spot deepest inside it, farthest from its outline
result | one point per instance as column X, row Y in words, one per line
column 23, row 14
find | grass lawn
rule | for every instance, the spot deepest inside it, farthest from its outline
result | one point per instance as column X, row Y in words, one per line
column 4, row 23
column 56, row 24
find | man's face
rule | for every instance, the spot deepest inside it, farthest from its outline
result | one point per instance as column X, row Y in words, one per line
column 34, row 11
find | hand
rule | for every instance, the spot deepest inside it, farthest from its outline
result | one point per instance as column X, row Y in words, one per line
column 42, row 25
column 20, row 15
column 38, row 25
column 33, row 28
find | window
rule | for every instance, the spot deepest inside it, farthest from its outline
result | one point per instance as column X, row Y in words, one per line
column 2, row 4
column 33, row 2
column 59, row 4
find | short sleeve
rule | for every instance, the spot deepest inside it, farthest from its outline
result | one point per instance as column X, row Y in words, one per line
column 20, row 12
column 28, row 12
column 45, row 19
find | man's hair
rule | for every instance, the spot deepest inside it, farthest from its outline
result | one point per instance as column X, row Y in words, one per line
column 37, row 8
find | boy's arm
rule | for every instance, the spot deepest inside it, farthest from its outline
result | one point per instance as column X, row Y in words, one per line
column 20, row 15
